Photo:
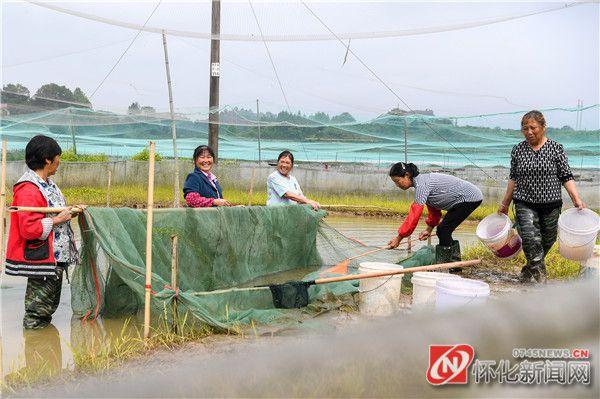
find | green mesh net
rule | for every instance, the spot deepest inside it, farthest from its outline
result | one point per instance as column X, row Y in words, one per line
column 225, row 258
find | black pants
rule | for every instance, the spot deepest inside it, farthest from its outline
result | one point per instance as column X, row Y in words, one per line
column 454, row 217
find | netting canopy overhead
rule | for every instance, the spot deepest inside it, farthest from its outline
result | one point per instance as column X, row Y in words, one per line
column 225, row 256
column 427, row 139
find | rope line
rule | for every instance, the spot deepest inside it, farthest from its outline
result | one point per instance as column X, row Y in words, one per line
column 392, row 90
column 270, row 57
column 305, row 37
column 275, row 70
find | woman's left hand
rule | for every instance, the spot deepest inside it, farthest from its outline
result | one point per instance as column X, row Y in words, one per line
column 315, row 205
column 425, row 234
column 80, row 206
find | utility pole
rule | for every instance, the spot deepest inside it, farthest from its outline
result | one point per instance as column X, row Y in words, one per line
column 215, row 71
column 173, row 124
column 258, row 120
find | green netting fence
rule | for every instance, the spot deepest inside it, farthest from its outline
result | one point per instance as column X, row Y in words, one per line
column 224, row 256
column 451, row 141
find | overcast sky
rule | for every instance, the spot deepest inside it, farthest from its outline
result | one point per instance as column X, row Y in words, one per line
column 541, row 61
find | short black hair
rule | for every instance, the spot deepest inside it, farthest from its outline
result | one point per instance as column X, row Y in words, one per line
column 203, row 148
column 402, row 169
column 39, row 149
column 284, row 154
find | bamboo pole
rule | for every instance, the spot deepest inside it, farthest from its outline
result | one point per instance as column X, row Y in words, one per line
column 108, row 189
column 2, row 232
column 42, row 209
column 150, row 208
column 174, row 280
column 176, row 194
column 251, row 187
column 464, row 263
column 409, row 241
column 2, row 204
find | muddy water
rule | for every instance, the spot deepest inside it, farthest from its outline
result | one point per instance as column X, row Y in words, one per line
column 50, row 347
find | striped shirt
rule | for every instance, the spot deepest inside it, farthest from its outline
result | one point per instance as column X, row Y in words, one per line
column 444, row 191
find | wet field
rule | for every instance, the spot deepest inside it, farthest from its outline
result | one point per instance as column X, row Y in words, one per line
column 55, row 343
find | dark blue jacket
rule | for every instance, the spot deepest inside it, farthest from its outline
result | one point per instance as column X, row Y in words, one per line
column 197, row 182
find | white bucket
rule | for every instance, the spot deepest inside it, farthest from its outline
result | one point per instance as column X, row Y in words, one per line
column 456, row 293
column 379, row 296
column 424, row 287
column 577, row 230
column 495, row 232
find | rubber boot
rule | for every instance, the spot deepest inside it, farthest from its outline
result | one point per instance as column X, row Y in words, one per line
column 456, row 256
column 443, row 254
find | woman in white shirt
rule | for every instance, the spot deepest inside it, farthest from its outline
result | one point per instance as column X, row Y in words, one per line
column 283, row 188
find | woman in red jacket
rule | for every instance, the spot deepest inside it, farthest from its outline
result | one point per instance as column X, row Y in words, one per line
column 40, row 246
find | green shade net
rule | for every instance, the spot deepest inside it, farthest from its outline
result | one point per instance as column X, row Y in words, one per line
column 224, row 256
column 451, row 140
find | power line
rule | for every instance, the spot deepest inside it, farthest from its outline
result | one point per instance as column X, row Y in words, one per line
column 126, row 50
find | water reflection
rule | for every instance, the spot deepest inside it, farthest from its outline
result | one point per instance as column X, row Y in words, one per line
column 43, row 355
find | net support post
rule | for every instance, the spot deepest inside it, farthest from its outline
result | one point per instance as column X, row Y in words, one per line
column 149, row 220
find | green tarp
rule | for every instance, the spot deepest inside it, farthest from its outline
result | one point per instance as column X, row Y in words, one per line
column 223, row 254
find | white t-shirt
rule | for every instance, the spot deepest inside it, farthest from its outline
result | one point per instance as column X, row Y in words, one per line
column 278, row 185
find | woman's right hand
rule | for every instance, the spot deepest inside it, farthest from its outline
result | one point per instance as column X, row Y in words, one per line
column 394, row 242
column 221, row 202
column 63, row 217
column 503, row 209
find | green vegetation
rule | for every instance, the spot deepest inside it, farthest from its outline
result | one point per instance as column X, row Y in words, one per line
column 135, row 196
column 557, row 267
column 15, row 155
column 144, row 155
column 70, row 156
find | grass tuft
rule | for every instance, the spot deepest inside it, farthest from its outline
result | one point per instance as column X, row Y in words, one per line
column 557, row 267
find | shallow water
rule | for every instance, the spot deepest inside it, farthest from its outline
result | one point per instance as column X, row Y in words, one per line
column 21, row 347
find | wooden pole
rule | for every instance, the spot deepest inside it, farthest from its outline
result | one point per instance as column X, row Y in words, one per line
column 580, row 114
column 174, row 280
column 108, row 189
column 148, row 286
column 2, row 204
column 251, row 187
column 405, row 141
column 464, row 263
column 258, row 120
column 409, row 241
column 176, row 194
column 72, row 132
column 42, row 209
column 2, row 225
column 215, row 68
